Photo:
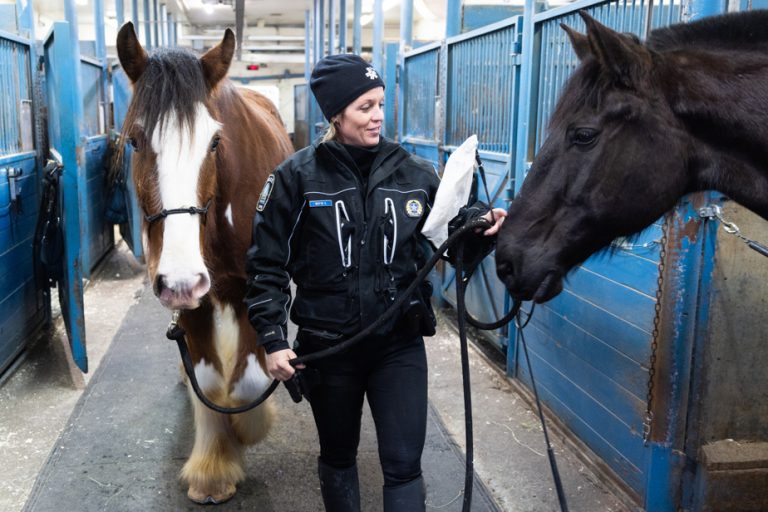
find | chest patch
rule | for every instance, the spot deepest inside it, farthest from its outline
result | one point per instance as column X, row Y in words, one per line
column 265, row 193
column 320, row 203
column 413, row 208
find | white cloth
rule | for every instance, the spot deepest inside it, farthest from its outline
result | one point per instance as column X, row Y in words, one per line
column 453, row 192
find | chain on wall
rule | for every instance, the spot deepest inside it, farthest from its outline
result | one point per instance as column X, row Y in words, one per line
column 648, row 422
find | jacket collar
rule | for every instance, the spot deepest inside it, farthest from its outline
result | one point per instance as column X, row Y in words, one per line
column 390, row 155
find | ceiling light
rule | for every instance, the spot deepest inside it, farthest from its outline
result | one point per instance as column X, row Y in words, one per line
column 208, row 8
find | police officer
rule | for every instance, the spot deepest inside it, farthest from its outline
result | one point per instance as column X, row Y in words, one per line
column 342, row 218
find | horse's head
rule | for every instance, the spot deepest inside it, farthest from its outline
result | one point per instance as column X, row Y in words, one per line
column 612, row 163
column 172, row 128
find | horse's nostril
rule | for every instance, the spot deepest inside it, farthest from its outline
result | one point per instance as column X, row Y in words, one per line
column 202, row 285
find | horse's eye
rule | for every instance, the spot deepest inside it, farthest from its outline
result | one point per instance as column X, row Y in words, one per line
column 584, row 136
column 215, row 142
column 134, row 144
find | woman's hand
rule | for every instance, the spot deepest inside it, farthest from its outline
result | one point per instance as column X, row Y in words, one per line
column 278, row 366
column 499, row 214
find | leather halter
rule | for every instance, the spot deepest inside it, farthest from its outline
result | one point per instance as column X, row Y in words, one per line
column 192, row 210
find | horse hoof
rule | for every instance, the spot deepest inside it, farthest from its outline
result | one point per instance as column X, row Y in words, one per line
column 212, row 498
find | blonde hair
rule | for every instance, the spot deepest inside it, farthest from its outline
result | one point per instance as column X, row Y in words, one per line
column 330, row 132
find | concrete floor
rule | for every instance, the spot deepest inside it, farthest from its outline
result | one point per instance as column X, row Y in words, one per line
column 38, row 399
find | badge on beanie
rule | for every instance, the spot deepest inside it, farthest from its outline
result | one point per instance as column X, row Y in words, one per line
column 265, row 193
column 371, row 73
column 413, row 208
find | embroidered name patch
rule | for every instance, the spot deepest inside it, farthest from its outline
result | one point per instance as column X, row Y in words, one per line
column 413, row 208
column 265, row 193
column 320, row 203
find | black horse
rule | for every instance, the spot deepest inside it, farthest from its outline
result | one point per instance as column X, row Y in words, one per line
column 638, row 126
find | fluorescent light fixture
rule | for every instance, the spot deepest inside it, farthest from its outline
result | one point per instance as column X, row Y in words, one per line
column 208, row 8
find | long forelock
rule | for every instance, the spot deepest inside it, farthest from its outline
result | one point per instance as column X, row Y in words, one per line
column 171, row 87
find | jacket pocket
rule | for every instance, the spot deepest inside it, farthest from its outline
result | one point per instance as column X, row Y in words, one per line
column 323, row 310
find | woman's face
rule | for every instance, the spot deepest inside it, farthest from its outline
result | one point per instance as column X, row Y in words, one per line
column 360, row 123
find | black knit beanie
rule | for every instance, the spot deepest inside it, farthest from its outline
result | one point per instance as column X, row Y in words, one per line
column 338, row 80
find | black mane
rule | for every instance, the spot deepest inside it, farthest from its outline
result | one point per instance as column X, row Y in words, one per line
column 730, row 31
column 172, row 81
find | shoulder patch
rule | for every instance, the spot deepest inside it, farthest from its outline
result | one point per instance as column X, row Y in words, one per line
column 413, row 208
column 265, row 193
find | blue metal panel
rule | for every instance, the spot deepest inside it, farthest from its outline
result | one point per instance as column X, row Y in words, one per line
column 478, row 16
column 420, row 83
column 121, row 92
column 64, row 121
column 15, row 93
column 24, row 307
column 482, row 86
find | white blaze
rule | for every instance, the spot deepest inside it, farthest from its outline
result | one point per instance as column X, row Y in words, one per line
column 180, row 155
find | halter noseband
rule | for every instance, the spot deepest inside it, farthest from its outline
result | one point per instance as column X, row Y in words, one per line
column 192, row 210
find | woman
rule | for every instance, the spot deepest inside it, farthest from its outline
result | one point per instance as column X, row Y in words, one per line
column 342, row 218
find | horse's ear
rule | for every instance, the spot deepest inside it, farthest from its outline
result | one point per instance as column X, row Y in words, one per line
column 619, row 54
column 216, row 61
column 132, row 56
column 579, row 42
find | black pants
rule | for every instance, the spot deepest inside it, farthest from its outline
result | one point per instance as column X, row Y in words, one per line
column 392, row 373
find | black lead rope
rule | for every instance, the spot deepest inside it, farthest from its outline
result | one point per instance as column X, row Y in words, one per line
column 461, row 309
column 176, row 332
column 550, row 452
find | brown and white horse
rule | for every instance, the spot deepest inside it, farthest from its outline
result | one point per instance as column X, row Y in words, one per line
column 200, row 142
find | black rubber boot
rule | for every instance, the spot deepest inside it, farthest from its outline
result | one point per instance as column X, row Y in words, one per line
column 410, row 497
column 340, row 488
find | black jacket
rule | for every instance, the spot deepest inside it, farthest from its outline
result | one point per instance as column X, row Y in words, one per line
column 349, row 251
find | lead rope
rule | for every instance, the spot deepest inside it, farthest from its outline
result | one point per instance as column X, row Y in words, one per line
column 550, row 452
column 176, row 332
